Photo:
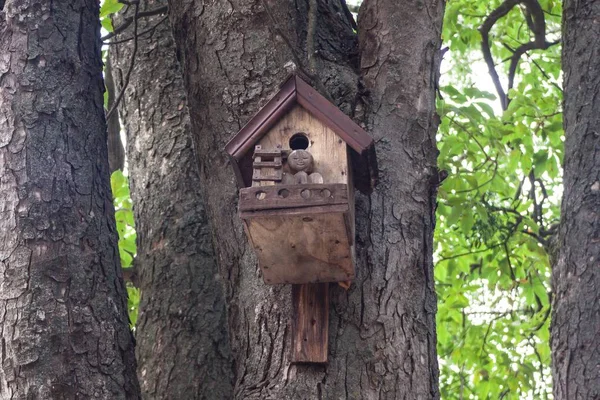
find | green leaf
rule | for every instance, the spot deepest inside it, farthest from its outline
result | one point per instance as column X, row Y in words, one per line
column 126, row 258
column 107, row 24
column 110, row 7
column 466, row 222
column 133, row 302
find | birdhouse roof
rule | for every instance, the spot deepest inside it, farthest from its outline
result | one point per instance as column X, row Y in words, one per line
column 297, row 91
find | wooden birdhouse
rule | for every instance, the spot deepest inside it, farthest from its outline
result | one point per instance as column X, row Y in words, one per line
column 297, row 162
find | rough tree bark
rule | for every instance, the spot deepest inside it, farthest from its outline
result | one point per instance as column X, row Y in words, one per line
column 382, row 331
column 576, row 273
column 64, row 326
column 182, row 344
column 116, row 152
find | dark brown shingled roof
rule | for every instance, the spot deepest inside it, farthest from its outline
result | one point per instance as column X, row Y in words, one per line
column 296, row 91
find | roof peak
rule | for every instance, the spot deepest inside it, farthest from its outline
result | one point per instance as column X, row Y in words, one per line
column 295, row 90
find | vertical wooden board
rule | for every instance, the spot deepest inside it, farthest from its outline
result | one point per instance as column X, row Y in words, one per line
column 310, row 323
column 351, row 200
column 327, row 148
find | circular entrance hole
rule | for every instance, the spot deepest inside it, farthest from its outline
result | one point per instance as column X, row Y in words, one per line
column 261, row 195
column 284, row 193
column 299, row 141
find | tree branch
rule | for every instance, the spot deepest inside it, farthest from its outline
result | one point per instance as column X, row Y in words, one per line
column 131, row 64
column 484, row 29
column 275, row 30
column 116, row 152
column 534, row 16
column 130, row 275
column 129, row 20
column 516, row 57
column 151, row 29
column 311, row 29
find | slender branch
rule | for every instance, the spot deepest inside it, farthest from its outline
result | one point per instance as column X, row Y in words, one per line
column 116, row 152
column 311, row 29
column 131, row 64
column 489, row 22
column 534, row 16
column 484, row 183
column 544, row 72
column 543, row 321
column 469, row 252
column 516, row 57
column 130, row 275
column 537, row 237
column 274, row 28
column 464, row 128
column 149, row 30
column 129, row 20
column 510, row 267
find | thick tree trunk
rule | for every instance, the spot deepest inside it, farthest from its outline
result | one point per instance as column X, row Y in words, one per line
column 64, row 324
column 182, row 344
column 400, row 59
column 576, row 274
column 382, row 333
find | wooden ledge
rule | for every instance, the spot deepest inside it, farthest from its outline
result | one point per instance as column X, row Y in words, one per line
column 292, row 196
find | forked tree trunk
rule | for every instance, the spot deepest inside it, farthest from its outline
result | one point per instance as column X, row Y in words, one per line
column 382, row 330
column 64, row 326
column 576, row 274
column 182, row 345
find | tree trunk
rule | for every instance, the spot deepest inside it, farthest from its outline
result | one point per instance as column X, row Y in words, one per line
column 400, row 59
column 182, row 344
column 382, row 330
column 576, row 273
column 65, row 332
column 116, row 152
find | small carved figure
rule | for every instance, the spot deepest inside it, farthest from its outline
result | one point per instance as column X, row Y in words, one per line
column 300, row 163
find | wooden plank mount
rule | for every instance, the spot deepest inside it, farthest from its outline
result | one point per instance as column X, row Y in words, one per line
column 310, row 323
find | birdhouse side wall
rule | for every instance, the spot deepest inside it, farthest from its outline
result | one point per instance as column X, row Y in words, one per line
column 329, row 151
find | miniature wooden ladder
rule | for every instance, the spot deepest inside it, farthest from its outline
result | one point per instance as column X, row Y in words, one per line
column 267, row 166
column 310, row 302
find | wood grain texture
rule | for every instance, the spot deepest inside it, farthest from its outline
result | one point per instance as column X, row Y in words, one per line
column 302, row 245
column 329, row 151
column 292, row 196
column 310, row 323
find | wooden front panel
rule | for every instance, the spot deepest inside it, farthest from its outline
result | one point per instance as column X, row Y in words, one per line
column 302, row 245
column 327, row 148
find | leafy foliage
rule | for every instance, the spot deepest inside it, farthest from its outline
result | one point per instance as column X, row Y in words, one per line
column 497, row 210
column 108, row 8
column 127, row 236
